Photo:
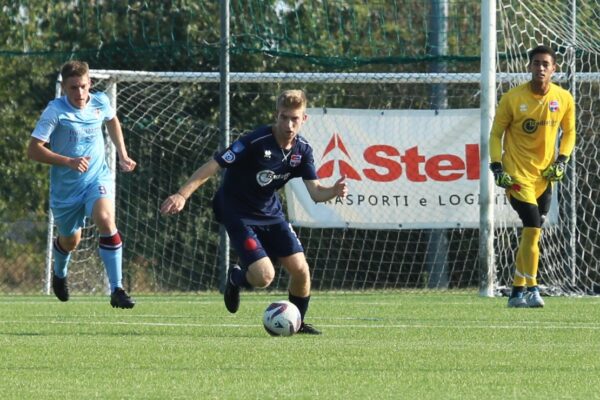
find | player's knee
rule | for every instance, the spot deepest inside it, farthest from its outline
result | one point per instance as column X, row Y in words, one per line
column 261, row 276
column 265, row 279
column 68, row 243
column 103, row 216
column 300, row 272
column 104, row 221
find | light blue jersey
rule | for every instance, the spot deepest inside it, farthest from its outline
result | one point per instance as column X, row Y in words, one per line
column 74, row 132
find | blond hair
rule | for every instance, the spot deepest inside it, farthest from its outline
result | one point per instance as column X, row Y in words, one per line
column 74, row 68
column 291, row 99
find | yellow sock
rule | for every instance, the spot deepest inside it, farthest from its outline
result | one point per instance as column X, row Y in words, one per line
column 519, row 278
column 528, row 257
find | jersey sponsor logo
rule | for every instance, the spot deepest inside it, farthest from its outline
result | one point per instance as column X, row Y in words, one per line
column 295, row 160
column 529, row 125
column 386, row 163
column 237, row 146
column 265, row 177
column 228, row 156
column 553, row 106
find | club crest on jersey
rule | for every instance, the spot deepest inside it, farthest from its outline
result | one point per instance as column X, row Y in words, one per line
column 267, row 154
column 228, row 156
column 237, row 146
column 553, row 106
column 295, row 160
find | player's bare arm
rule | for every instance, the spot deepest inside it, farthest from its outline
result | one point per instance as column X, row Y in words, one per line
column 175, row 202
column 319, row 193
column 37, row 151
column 116, row 135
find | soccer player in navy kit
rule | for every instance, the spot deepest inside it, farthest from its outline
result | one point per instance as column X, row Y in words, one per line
column 257, row 165
column 80, row 181
column 525, row 161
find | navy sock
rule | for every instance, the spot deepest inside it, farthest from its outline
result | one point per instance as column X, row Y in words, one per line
column 300, row 302
column 238, row 278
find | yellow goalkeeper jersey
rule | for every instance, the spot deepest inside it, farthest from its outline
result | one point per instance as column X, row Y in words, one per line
column 525, row 131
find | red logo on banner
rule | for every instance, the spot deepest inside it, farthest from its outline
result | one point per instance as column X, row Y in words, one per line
column 326, row 170
column 391, row 164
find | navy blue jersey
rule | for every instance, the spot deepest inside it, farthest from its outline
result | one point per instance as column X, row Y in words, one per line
column 256, row 167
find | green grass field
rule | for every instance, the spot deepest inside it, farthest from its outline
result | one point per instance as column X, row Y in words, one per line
column 434, row 345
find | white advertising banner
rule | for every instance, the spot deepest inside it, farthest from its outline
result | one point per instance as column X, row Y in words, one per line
column 404, row 169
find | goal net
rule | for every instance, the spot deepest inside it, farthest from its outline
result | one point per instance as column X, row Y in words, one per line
column 171, row 127
column 569, row 248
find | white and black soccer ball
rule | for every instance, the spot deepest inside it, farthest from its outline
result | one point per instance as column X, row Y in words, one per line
column 282, row 318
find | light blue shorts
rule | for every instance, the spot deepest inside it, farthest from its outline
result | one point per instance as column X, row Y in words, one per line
column 70, row 219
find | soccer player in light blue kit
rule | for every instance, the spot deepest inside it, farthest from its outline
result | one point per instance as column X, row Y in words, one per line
column 80, row 181
column 257, row 165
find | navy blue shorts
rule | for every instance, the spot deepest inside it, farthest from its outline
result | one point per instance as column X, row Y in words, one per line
column 253, row 242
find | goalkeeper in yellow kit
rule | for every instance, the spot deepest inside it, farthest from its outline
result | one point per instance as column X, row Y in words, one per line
column 525, row 162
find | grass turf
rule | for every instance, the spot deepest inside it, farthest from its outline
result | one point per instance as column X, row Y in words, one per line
column 425, row 345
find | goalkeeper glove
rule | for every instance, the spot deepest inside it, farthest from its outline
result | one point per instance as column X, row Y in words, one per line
column 501, row 178
column 556, row 171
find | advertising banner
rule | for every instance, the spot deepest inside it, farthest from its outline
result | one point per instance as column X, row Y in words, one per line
column 404, row 169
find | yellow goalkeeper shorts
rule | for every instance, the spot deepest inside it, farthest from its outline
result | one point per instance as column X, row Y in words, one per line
column 528, row 191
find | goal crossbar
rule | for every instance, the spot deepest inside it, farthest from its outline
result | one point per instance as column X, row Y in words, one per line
column 318, row 77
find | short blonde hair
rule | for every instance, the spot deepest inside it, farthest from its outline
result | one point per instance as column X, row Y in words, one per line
column 74, row 68
column 292, row 99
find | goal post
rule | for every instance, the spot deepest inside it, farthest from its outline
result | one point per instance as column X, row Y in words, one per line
column 487, row 104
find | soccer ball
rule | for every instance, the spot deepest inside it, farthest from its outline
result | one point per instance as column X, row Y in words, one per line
column 282, row 318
